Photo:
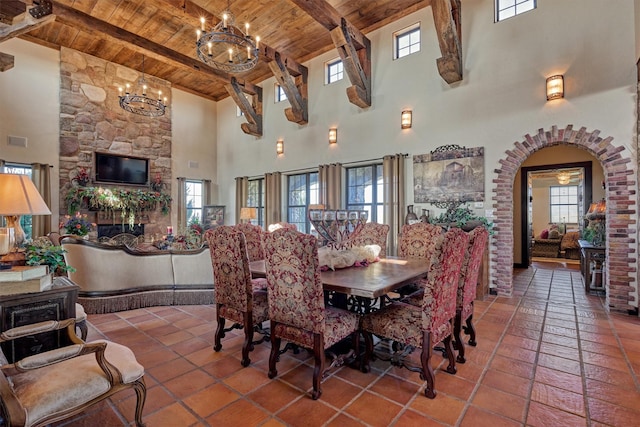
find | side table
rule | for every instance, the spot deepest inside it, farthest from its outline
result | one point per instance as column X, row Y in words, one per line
column 588, row 254
column 58, row 302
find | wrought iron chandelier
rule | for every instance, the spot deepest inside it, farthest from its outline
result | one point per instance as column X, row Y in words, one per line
column 142, row 104
column 564, row 178
column 225, row 47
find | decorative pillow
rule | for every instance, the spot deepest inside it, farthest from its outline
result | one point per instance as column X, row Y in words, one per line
column 544, row 234
column 554, row 234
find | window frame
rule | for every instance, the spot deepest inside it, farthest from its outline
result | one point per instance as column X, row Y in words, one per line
column 514, row 7
column 376, row 206
column 560, row 204
column 198, row 210
column 310, row 197
column 279, row 94
column 255, row 199
column 327, row 68
column 407, row 32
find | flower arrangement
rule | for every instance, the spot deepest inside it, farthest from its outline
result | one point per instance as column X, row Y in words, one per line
column 82, row 177
column 128, row 204
column 77, row 224
column 195, row 226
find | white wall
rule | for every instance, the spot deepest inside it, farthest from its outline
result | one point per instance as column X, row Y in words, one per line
column 30, row 108
column 500, row 99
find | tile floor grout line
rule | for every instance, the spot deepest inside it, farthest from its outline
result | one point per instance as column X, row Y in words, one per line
column 583, row 376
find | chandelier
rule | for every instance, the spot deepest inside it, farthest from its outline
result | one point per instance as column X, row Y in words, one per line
column 564, row 178
column 226, row 47
column 142, row 104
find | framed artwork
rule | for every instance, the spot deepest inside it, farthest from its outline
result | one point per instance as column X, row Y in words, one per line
column 212, row 216
column 449, row 174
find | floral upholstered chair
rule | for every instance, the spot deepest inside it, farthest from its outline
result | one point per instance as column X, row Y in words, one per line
column 253, row 237
column 296, row 302
column 432, row 322
column 467, row 289
column 417, row 241
column 238, row 297
column 371, row 233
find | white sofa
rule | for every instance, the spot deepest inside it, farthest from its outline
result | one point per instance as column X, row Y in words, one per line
column 116, row 278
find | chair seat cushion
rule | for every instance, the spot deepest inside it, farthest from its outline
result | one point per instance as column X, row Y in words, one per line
column 338, row 325
column 72, row 383
column 403, row 323
column 260, row 309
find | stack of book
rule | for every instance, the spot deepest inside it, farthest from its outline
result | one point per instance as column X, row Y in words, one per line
column 24, row 279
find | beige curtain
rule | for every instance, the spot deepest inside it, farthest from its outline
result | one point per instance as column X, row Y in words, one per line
column 41, row 177
column 206, row 192
column 242, row 195
column 393, row 173
column 273, row 198
column 330, row 184
column 181, row 205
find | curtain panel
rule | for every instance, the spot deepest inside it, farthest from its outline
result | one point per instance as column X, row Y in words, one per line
column 330, row 183
column 41, row 177
column 273, row 198
column 242, row 195
column 393, row 172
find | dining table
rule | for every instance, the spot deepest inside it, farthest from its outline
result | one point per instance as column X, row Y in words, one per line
column 372, row 281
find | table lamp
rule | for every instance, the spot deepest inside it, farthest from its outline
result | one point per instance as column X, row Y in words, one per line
column 248, row 214
column 18, row 196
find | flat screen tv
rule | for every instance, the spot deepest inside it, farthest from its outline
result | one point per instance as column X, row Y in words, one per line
column 121, row 169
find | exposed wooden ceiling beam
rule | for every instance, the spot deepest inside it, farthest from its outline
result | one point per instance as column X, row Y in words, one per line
column 252, row 110
column 446, row 17
column 29, row 23
column 101, row 29
column 6, row 61
column 12, row 11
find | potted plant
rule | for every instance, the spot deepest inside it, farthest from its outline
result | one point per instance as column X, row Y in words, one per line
column 461, row 217
column 41, row 251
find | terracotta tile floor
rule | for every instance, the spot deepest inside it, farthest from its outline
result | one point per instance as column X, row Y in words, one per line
column 549, row 356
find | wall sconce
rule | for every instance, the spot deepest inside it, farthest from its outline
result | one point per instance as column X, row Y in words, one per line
column 333, row 135
column 555, row 87
column 280, row 147
column 406, row 119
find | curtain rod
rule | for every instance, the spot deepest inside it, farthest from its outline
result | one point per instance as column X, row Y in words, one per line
column 343, row 164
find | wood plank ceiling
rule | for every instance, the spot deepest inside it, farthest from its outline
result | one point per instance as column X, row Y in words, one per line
column 122, row 31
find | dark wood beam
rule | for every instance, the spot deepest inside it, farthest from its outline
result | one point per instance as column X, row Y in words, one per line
column 6, row 61
column 104, row 30
column 353, row 47
column 28, row 24
column 252, row 110
column 295, row 88
column 12, row 11
column 446, row 16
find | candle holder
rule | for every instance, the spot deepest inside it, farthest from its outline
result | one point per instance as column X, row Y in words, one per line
column 336, row 226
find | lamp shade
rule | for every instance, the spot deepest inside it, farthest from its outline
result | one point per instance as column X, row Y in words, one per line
column 248, row 213
column 18, row 196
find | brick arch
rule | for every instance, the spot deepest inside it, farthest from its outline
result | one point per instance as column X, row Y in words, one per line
column 621, row 209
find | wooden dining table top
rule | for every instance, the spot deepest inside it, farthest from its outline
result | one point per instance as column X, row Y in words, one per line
column 372, row 281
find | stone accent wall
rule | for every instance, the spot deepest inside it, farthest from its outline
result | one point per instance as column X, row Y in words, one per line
column 91, row 120
column 621, row 262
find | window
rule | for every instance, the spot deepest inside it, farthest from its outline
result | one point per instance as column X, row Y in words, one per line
column 407, row 41
column 335, row 71
column 280, row 95
column 19, row 169
column 256, row 200
column 193, row 200
column 365, row 191
column 510, row 8
column 563, row 201
column 303, row 191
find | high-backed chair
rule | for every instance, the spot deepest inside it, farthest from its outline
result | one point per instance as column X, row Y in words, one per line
column 429, row 324
column 372, row 233
column 467, row 288
column 52, row 386
column 238, row 297
column 417, row 241
column 296, row 302
column 253, row 237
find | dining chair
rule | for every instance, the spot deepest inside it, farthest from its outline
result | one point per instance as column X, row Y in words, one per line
column 467, row 286
column 427, row 325
column 371, row 233
column 253, row 237
column 417, row 240
column 296, row 303
column 238, row 297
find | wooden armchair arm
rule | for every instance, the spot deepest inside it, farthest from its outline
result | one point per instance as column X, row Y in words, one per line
column 40, row 327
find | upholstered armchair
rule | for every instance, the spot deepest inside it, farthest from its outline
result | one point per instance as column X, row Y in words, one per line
column 253, row 237
column 417, row 240
column 371, row 233
column 57, row 384
column 296, row 303
column 427, row 325
column 467, row 285
column 238, row 297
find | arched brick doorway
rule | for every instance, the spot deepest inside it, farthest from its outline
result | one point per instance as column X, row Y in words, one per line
column 621, row 261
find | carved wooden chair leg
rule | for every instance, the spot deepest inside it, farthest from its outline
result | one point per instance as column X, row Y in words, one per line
column 470, row 330
column 219, row 334
column 247, row 345
column 275, row 349
column 452, row 360
column 318, row 369
column 368, row 351
column 141, row 395
column 458, row 344
column 427, row 371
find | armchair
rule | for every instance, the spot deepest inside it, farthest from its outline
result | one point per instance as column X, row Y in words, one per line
column 253, row 237
column 54, row 385
column 371, row 233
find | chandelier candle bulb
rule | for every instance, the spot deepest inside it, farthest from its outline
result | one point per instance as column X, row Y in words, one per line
column 224, row 21
column 201, row 24
column 198, row 32
column 257, row 41
column 230, row 55
column 246, row 28
column 210, row 46
column 249, row 52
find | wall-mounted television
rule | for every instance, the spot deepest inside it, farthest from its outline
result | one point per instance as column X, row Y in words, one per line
column 112, row 168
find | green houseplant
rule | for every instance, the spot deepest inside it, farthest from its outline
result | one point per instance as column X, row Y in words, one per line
column 462, row 217
column 41, row 251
